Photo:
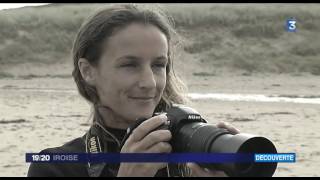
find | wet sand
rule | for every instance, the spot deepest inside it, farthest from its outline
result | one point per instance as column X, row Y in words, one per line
column 38, row 113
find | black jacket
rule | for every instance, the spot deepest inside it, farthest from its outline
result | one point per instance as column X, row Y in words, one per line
column 106, row 141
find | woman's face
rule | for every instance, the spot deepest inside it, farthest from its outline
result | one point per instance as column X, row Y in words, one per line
column 131, row 74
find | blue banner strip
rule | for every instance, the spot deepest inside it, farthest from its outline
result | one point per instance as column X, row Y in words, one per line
column 142, row 157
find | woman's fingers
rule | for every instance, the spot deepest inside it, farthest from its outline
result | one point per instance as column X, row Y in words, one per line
column 155, row 137
column 161, row 147
column 146, row 135
column 228, row 126
column 197, row 171
column 145, row 127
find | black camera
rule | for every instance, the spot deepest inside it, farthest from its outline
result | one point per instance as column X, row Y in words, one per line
column 192, row 134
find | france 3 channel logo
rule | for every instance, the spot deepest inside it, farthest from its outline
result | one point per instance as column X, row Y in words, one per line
column 291, row 25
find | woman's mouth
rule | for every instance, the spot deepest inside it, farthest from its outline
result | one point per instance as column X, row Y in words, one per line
column 142, row 99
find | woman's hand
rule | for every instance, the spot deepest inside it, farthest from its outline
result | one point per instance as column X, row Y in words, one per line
column 197, row 171
column 144, row 140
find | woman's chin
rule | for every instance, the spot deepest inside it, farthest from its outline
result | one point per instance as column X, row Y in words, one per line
column 147, row 114
column 141, row 114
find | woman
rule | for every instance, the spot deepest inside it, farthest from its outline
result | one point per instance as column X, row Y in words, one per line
column 123, row 66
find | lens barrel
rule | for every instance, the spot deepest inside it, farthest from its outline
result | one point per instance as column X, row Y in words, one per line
column 190, row 133
column 206, row 138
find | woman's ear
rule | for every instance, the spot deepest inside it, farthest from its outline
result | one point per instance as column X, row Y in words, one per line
column 87, row 71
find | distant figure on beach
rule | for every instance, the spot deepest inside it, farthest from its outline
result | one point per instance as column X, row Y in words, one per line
column 123, row 66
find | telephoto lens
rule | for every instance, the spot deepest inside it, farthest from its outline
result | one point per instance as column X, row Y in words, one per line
column 192, row 134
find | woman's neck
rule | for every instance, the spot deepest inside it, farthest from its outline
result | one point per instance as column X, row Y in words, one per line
column 112, row 120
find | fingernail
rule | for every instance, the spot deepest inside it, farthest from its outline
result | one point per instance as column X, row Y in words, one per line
column 163, row 117
column 167, row 122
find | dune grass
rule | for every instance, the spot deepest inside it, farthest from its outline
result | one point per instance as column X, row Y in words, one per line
column 248, row 37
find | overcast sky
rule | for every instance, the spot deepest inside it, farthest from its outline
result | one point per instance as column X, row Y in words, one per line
column 18, row 5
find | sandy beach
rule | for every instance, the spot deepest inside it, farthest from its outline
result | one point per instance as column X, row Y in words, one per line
column 37, row 113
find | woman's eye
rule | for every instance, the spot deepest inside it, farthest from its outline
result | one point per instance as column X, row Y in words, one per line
column 129, row 65
column 160, row 65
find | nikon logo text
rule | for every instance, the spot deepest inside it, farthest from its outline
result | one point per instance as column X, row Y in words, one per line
column 194, row 116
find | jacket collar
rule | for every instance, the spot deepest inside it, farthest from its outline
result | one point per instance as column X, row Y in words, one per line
column 100, row 140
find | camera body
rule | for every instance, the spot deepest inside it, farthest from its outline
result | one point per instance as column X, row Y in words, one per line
column 192, row 134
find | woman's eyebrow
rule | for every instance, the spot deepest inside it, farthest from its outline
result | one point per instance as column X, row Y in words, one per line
column 128, row 57
column 162, row 58
column 136, row 58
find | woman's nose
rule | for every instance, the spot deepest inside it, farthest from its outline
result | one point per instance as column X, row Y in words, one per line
column 147, row 79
